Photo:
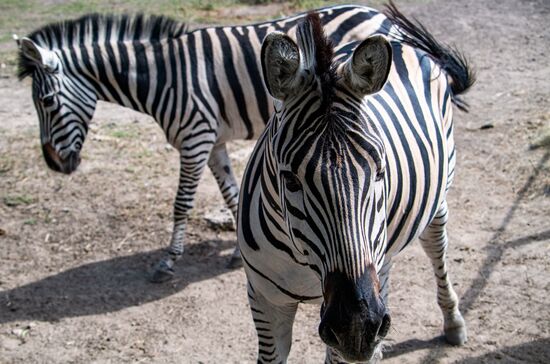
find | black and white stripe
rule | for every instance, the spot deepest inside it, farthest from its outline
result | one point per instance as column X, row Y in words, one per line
column 354, row 165
column 203, row 87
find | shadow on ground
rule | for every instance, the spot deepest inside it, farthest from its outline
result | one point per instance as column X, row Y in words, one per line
column 537, row 351
column 110, row 285
column 411, row 345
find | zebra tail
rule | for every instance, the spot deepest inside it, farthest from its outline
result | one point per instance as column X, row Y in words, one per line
column 450, row 59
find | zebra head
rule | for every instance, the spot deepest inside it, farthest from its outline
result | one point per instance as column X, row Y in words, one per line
column 329, row 162
column 63, row 105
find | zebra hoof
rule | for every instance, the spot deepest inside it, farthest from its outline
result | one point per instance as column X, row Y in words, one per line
column 235, row 262
column 161, row 274
column 456, row 336
column 455, row 332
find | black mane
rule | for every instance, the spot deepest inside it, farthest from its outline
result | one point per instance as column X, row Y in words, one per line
column 324, row 57
column 84, row 30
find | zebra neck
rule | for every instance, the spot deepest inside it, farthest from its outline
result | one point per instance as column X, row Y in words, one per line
column 139, row 75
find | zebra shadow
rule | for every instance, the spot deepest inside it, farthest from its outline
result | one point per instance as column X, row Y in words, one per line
column 536, row 351
column 110, row 285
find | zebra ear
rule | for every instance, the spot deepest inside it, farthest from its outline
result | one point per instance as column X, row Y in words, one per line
column 41, row 56
column 367, row 70
column 280, row 65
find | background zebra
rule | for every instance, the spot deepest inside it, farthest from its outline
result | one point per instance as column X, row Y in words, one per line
column 202, row 87
column 350, row 170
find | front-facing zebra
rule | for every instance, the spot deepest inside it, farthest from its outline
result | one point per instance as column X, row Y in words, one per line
column 202, row 87
column 353, row 166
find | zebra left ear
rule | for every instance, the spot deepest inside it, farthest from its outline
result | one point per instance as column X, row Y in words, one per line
column 367, row 70
column 280, row 65
column 41, row 56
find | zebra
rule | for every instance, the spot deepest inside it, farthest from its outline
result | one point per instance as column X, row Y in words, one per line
column 202, row 87
column 354, row 164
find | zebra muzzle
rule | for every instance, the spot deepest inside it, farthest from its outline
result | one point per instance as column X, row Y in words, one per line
column 56, row 163
column 353, row 318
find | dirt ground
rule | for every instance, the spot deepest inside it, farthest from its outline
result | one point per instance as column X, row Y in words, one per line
column 75, row 251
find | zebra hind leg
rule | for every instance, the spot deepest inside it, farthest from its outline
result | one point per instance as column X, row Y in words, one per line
column 434, row 242
column 192, row 164
column 220, row 165
column 273, row 326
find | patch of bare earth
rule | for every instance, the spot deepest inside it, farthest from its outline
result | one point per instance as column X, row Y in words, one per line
column 74, row 251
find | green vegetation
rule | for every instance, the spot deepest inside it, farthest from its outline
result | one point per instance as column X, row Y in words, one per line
column 18, row 200
column 124, row 134
column 144, row 153
column 31, row 221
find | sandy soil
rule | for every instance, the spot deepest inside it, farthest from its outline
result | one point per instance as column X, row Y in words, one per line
column 75, row 250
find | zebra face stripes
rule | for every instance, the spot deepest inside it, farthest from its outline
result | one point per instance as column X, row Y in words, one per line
column 329, row 161
column 330, row 183
column 63, row 110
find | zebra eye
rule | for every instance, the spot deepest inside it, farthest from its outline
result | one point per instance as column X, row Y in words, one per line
column 48, row 101
column 291, row 181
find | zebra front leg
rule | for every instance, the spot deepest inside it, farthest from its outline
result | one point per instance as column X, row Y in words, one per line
column 434, row 242
column 220, row 165
column 273, row 326
column 192, row 164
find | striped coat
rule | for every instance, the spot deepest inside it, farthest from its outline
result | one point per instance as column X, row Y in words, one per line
column 353, row 166
column 203, row 88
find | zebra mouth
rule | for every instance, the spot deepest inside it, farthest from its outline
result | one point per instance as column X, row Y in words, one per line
column 56, row 163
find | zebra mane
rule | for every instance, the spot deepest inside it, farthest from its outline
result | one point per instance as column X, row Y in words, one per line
column 324, row 55
column 84, row 31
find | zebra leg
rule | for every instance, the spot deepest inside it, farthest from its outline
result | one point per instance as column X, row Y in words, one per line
column 273, row 326
column 434, row 242
column 220, row 165
column 192, row 164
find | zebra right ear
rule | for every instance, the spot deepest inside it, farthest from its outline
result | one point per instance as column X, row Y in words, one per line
column 280, row 65
column 41, row 56
column 367, row 71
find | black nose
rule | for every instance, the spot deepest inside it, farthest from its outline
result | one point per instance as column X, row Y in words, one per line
column 72, row 162
column 353, row 318
column 341, row 327
column 56, row 163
